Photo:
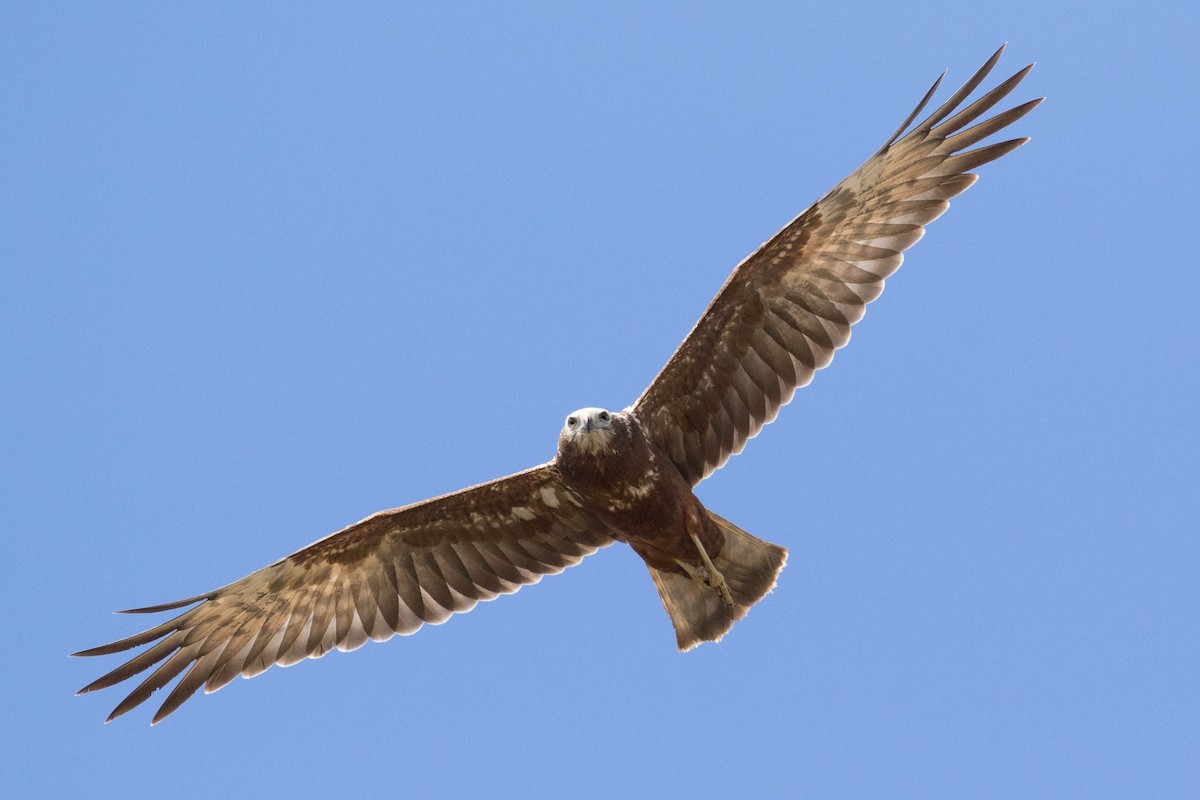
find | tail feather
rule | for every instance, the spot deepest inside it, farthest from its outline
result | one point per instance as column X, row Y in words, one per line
column 750, row 567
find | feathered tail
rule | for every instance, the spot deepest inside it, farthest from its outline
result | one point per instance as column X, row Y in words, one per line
column 750, row 567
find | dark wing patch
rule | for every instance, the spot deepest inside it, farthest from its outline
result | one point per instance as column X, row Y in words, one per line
column 785, row 309
column 389, row 574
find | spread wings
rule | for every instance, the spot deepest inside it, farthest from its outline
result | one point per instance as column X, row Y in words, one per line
column 388, row 574
column 785, row 309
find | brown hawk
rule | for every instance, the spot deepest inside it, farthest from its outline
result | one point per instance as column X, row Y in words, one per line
column 624, row 476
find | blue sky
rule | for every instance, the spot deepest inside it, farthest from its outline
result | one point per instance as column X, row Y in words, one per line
column 267, row 270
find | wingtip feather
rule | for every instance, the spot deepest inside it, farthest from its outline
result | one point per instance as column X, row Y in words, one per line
column 167, row 606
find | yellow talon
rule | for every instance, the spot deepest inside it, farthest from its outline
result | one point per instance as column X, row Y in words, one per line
column 715, row 579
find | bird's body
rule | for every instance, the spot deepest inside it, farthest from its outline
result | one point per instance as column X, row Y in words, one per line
column 635, row 490
column 623, row 476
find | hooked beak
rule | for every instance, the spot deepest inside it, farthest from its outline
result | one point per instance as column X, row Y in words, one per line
column 587, row 426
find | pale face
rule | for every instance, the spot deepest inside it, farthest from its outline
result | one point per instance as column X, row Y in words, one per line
column 590, row 429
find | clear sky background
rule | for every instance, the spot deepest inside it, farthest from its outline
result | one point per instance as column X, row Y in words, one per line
column 267, row 268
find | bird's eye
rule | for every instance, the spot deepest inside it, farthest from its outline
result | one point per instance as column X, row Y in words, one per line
column 572, row 421
column 604, row 416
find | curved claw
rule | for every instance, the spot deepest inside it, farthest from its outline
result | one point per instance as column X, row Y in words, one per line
column 708, row 574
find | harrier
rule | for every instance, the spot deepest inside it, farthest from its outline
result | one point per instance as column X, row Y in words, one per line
column 618, row 476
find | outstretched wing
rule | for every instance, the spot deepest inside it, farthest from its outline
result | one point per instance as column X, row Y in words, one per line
column 790, row 305
column 388, row 574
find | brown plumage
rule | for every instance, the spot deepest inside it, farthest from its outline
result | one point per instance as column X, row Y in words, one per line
column 626, row 476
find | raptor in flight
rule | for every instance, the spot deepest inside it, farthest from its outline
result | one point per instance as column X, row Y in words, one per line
column 618, row 476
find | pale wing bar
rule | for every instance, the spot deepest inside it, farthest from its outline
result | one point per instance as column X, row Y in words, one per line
column 788, row 307
column 389, row 574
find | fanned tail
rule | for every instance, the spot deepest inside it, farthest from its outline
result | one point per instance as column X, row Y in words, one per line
column 750, row 567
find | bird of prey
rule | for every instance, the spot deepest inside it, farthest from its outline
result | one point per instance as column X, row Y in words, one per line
column 618, row 476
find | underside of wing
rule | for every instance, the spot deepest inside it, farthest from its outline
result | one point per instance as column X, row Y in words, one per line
column 785, row 309
column 389, row 574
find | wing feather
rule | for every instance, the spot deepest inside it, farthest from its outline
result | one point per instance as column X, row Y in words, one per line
column 389, row 574
column 789, row 306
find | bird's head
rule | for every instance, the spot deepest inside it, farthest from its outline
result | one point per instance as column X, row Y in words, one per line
column 590, row 430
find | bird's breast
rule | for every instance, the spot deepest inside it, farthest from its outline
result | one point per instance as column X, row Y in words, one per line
column 633, row 490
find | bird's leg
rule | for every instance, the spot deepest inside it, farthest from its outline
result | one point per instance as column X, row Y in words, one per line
column 715, row 579
column 698, row 574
